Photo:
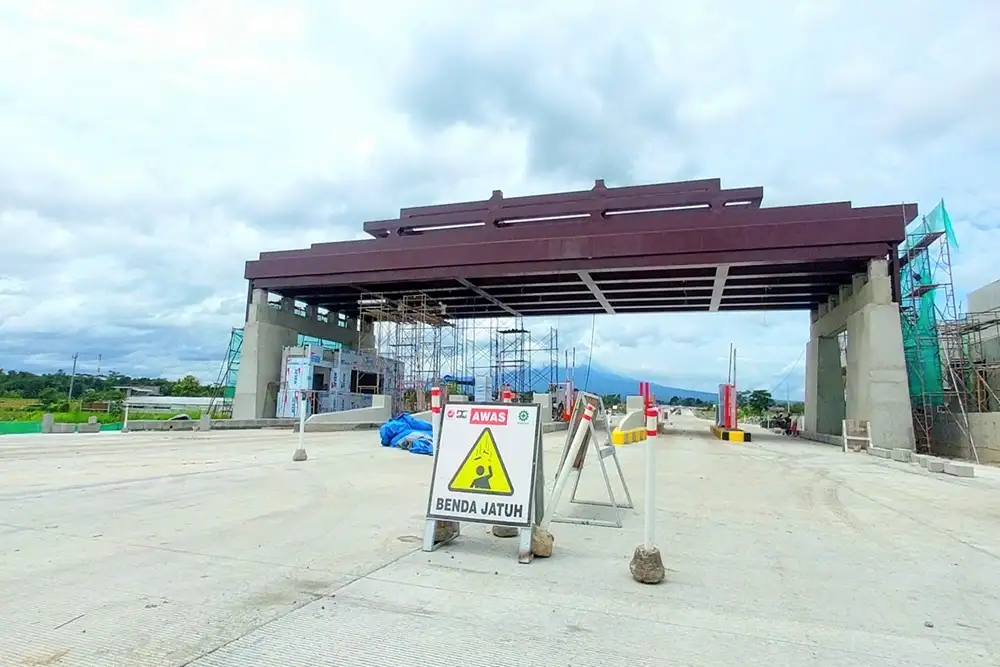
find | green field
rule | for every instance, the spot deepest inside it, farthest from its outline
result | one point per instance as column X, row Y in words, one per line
column 21, row 415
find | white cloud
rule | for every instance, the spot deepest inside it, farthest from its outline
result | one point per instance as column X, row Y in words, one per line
column 147, row 149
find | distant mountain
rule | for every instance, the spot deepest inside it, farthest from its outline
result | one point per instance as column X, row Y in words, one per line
column 603, row 382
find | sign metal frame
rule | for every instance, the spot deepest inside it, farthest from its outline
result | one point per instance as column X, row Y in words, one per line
column 536, row 497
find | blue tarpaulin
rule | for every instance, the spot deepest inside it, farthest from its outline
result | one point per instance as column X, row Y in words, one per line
column 407, row 432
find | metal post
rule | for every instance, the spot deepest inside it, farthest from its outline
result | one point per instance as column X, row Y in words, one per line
column 567, row 465
column 649, row 531
column 300, row 452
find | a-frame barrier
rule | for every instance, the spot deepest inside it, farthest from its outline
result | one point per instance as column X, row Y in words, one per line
column 602, row 451
column 505, row 439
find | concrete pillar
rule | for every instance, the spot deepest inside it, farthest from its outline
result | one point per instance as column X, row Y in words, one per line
column 826, row 406
column 267, row 332
column 633, row 403
column 877, row 389
column 366, row 336
column 545, row 401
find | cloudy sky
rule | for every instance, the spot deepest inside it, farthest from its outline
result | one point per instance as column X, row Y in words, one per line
column 149, row 147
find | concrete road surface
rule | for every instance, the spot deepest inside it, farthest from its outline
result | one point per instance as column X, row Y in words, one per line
column 218, row 550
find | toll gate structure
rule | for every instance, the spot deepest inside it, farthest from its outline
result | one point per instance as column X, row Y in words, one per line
column 670, row 247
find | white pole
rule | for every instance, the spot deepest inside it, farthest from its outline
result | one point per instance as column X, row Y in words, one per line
column 435, row 415
column 567, row 465
column 300, row 452
column 647, row 563
column 125, row 423
column 649, row 532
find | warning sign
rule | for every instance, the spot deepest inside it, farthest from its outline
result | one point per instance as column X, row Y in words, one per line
column 483, row 470
column 485, row 464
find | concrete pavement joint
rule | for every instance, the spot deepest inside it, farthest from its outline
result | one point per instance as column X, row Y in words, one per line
column 296, row 607
column 597, row 610
column 925, row 524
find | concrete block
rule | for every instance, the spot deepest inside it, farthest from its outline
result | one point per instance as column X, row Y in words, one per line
column 919, row 459
column 505, row 531
column 959, row 469
column 647, row 566
column 935, row 465
column 445, row 530
column 541, row 542
column 48, row 420
column 901, row 455
column 90, row 427
column 880, row 452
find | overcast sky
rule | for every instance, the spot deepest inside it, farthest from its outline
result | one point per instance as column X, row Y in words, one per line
column 148, row 148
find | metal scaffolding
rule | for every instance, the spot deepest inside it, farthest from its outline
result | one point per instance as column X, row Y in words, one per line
column 221, row 406
column 523, row 360
column 938, row 368
column 408, row 331
column 433, row 349
column 981, row 335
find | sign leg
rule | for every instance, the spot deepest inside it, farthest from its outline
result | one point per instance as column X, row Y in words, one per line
column 437, row 533
column 524, row 554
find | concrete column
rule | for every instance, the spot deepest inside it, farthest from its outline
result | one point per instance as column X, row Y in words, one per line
column 633, row 403
column 826, row 406
column 265, row 335
column 545, row 401
column 877, row 388
column 366, row 335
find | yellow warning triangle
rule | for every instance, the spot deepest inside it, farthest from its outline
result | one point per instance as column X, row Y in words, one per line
column 483, row 470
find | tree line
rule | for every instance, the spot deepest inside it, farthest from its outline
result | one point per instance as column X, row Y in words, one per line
column 751, row 402
column 50, row 390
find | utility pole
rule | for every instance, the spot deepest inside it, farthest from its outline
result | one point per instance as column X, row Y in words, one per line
column 729, row 366
column 72, row 377
column 99, row 364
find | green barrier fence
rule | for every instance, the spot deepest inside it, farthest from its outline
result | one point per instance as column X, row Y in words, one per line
column 20, row 428
column 24, row 428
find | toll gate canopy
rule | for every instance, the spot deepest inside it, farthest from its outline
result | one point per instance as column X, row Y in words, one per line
column 670, row 247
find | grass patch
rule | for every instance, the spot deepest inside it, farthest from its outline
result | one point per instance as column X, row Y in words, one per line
column 81, row 417
column 12, row 404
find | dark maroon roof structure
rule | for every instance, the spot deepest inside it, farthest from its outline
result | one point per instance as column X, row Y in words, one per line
column 672, row 247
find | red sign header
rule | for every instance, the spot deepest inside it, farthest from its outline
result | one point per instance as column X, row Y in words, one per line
column 488, row 416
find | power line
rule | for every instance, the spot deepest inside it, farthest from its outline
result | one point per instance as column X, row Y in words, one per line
column 590, row 354
column 788, row 374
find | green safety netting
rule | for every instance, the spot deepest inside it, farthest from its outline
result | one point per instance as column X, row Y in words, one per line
column 23, row 428
column 20, row 428
column 918, row 281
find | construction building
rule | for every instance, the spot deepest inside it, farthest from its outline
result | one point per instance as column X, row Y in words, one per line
column 395, row 348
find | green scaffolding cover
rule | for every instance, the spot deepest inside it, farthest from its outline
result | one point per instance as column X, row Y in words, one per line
column 920, row 291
